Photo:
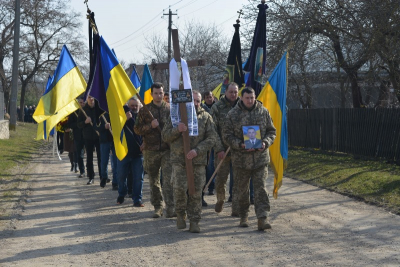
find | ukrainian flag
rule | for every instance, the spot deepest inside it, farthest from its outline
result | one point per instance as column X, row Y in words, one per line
column 145, row 88
column 135, row 79
column 119, row 89
column 42, row 126
column 46, row 126
column 273, row 97
column 67, row 84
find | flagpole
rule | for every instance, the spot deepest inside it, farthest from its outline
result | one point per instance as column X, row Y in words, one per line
column 105, row 121
column 146, row 109
column 95, row 30
column 216, row 170
column 84, row 113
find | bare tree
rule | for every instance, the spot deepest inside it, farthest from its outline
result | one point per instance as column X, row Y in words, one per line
column 46, row 26
column 197, row 41
column 6, row 31
column 385, row 24
column 345, row 25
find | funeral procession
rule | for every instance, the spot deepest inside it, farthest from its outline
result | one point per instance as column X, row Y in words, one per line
column 199, row 133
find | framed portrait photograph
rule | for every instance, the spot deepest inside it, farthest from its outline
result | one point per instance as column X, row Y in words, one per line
column 252, row 136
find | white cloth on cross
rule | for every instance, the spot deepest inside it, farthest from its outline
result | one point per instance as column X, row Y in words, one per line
column 174, row 80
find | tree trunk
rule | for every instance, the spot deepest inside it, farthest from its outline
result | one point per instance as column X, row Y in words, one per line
column 22, row 100
column 355, row 90
column 394, row 76
column 383, row 95
column 342, row 94
column 6, row 91
column 7, row 100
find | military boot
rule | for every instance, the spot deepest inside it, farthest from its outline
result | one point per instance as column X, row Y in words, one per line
column 244, row 222
column 158, row 212
column 235, row 213
column 194, row 227
column 170, row 212
column 263, row 224
column 218, row 206
column 180, row 221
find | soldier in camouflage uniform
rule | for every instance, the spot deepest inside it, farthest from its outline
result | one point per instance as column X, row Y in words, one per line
column 199, row 146
column 218, row 112
column 156, row 152
column 251, row 163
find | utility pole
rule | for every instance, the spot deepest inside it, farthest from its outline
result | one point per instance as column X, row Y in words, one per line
column 14, row 83
column 170, row 14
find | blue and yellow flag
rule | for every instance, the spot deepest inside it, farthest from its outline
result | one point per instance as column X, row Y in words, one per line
column 135, row 79
column 42, row 126
column 145, row 88
column 119, row 89
column 273, row 97
column 67, row 84
column 46, row 126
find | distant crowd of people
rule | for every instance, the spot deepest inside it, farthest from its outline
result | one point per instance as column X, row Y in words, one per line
column 155, row 147
column 28, row 113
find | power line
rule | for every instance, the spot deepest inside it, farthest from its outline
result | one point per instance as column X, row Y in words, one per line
column 175, row 3
column 146, row 24
column 137, row 44
column 142, row 30
column 227, row 20
column 193, row 1
column 200, row 8
column 139, row 28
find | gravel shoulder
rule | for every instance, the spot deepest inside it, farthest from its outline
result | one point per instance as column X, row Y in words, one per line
column 62, row 221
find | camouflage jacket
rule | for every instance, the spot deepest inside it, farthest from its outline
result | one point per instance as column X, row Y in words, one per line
column 201, row 143
column 232, row 134
column 218, row 112
column 152, row 136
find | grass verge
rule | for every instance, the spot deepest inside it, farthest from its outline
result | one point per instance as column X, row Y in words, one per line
column 18, row 150
column 15, row 154
column 372, row 181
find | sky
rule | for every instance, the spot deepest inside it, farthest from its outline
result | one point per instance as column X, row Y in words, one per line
column 124, row 24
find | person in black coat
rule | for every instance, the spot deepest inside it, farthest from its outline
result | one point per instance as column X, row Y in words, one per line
column 79, row 143
column 131, row 167
column 90, row 135
column 107, row 146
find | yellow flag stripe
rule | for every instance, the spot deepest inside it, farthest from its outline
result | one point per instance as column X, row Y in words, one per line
column 120, row 89
column 52, row 121
column 270, row 101
column 69, row 87
column 147, row 97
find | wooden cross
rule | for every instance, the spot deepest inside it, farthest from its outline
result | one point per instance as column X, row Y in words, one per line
column 184, row 119
column 165, row 66
column 190, row 63
column 182, row 106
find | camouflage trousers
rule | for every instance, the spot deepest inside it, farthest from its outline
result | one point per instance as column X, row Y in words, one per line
column 221, row 180
column 185, row 203
column 261, row 200
column 153, row 161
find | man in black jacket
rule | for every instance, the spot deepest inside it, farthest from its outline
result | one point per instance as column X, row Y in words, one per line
column 90, row 135
column 131, row 167
column 79, row 143
column 107, row 146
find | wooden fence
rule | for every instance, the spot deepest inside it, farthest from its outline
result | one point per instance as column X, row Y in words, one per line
column 364, row 132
